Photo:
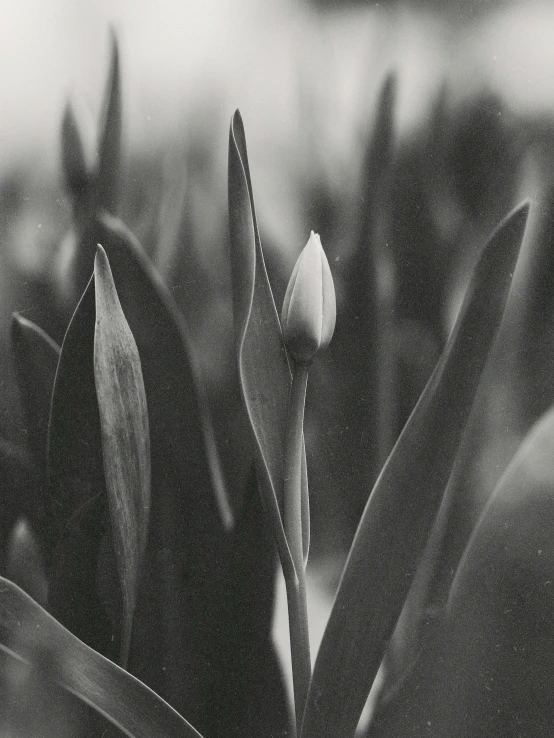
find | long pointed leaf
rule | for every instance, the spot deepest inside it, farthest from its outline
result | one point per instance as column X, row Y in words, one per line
column 36, row 359
column 109, row 146
column 77, row 490
column 125, row 701
column 125, row 437
column 401, row 509
column 190, row 516
column 263, row 364
column 74, row 165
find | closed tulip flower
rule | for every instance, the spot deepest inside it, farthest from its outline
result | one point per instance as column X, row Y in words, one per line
column 309, row 308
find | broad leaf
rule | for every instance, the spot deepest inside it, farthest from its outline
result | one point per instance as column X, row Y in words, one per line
column 500, row 614
column 125, row 437
column 36, row 359
column 263, row 364
column 29, row 633
column 401, row 509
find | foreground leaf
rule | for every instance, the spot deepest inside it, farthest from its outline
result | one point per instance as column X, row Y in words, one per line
column 263, row 364
column 125, row 437
column 403, row 504
column 77, row 491
column 30, row 633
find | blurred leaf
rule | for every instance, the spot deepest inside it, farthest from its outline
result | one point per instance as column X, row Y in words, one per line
column 30, row 633
column 125, row 437
column 109, row 144
column 19, row 492
column 24, row 562
column 371, row 294
column 190, row 517
column 74, row 165
column 36, row 359
column 401, row 509
column 243, row 652
column 500, row 615
column 263, row 364
column 487, row 670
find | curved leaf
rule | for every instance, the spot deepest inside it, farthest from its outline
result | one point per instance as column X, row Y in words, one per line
column 36, row 359
column 401, row 509
column 264, row 370
column 125, row 437
column 35, row 636
column 500, row 615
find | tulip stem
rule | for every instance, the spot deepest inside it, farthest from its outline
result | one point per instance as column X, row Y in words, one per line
column 296, row 585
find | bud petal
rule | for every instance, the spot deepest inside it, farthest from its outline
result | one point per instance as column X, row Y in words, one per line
column 309, row 308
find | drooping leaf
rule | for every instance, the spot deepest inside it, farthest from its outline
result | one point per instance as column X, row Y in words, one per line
column 29, row 633
column 190, row 516
column 36, row 359
column 243, row 653
column 24, row 562
column 401, row 509
column 109, row 143
column 125, row 437
column 263, row 364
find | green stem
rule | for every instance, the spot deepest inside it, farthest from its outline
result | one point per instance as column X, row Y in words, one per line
column 296, row 586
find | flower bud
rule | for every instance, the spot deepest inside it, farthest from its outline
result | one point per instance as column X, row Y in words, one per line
column 309, row 308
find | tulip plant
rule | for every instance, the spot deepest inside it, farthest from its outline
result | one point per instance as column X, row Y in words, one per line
column 144, row 597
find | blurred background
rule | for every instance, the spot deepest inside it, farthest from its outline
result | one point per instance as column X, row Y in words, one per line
column 473, row 129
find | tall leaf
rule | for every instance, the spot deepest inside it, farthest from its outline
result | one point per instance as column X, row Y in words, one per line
column 243, row 653
column 77, row 491
column 74, row 166
column 263, row 364
column 401, row 509
column 36, row 359
column 109, row 144
column 190, row 516
column 125, row 437
column 29, row 633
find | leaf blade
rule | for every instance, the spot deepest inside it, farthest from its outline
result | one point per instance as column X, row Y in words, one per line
column 121, row 698
column 125, row 437
column 109, row 145
column 264, row 369
column 394, row 527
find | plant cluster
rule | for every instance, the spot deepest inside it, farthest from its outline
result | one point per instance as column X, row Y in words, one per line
column 142, row 600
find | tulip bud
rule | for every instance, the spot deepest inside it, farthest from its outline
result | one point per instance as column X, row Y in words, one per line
column 309, row 308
